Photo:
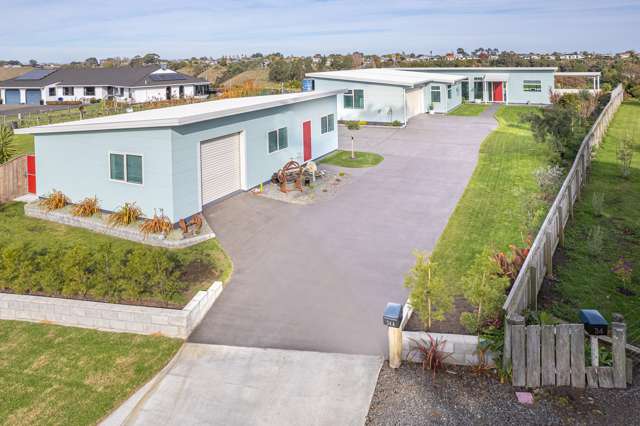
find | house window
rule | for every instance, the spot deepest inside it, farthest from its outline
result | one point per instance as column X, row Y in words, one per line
column 52, row 91
column 435, row 94
column 327, row 124
column 449, row 92
column 121, row 90
column 478, row 88
column 89, row 91
column 67, row 91
column 354, row 99
column 278, row 140
column 201, row 90
column 125, row 168
column 532, row 86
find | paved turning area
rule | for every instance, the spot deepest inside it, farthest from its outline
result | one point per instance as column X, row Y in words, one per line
column 222, row 385
column 317, row 277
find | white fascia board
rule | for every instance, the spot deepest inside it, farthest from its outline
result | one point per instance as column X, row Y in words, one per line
column 112, row 122
column 366, row 79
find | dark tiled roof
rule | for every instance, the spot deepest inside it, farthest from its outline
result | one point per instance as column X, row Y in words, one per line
column 119, row 76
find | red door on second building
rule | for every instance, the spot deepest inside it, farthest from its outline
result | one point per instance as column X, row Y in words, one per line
column 497, row 92
column 31, row 174
column 306, row 140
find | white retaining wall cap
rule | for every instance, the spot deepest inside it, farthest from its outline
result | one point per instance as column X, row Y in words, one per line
column 179, row 115
column 391, row 76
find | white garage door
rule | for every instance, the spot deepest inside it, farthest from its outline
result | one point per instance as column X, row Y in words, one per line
column 220, row 167
column 415, row 102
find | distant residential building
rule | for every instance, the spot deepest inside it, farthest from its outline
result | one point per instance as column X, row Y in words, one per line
column 358, row 59
column 130, row 84
column 574, row 55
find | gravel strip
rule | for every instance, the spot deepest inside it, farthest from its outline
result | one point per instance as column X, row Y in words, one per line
column 410, row 396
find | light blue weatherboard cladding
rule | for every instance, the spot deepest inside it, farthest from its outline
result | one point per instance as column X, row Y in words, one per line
column 515, row 91
column 78, row 165
column 382, row 103
column 260, row 165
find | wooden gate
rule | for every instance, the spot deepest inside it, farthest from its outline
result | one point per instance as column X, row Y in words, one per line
column 554, row 355
column 13, row 179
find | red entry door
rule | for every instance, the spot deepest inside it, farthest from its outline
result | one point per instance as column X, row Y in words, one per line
column 31, row 174
column 306, row 140
column 497, row 92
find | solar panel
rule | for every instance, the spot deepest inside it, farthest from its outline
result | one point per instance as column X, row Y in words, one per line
column 35, row 75
column 170, row 76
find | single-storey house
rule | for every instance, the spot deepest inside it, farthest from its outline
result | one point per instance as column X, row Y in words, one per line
column 384, row 95
column 131, row 84
column 509, row 85
column 182, row 158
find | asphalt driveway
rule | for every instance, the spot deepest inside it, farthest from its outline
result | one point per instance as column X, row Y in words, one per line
column 317, row 277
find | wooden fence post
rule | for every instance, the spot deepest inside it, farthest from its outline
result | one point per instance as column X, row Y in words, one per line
column 533, row 356
column 533, row 288
column 578, row 377
column 395, row 347
column 548, row 254
column 516, row 343
column 618, row 345
column 563, row 359
column 560, row 226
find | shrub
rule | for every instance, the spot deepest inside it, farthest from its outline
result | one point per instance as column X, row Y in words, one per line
column 597, row 203
column 560, row 125
column 353, row 125
column 549, row 180
column 595, row 238
column 7, row 144
column 396, row 123
column 362, row 123
column 86, row 208
column 623, row 269
column 624, row 154
column 156, row 225
column 484, row 287
column 127, row 214
column 78, row 268
column 431, row 353
column 428, row 290
column 510, row 265
column 54, row 201
column 635, row 91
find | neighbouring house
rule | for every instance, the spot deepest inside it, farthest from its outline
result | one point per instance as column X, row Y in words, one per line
column 383, row 95
column 182, row 158
column 131, row 84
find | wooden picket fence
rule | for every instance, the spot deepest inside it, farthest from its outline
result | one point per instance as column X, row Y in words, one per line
column 554, row 355
column 13, row 178
column 524, row 292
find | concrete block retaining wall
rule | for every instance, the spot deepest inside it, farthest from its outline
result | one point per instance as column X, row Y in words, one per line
column 131, row 233
column 108, row 316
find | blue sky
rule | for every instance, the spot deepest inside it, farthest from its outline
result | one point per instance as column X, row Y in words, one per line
column 53, row 30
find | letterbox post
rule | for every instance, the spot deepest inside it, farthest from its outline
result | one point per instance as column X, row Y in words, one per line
column 392, row 318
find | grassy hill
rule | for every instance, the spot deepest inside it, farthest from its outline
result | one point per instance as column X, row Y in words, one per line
column 213, row 73
column 8, row 73
column 259, row 75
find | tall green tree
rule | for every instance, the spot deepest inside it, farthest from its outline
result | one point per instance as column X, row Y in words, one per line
column 7, row 144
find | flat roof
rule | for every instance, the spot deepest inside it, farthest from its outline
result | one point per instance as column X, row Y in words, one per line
column 578, row 74
column 391, row 76
column 179, row 115
column 496, row 69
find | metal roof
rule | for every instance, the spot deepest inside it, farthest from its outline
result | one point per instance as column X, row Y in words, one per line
column 481, row 69
column 117, row 76
column 390, row 76
column 179, row 115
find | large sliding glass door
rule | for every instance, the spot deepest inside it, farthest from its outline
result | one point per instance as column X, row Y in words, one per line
column 478, row 88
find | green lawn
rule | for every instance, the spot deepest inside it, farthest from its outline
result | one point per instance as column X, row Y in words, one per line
column 586, row 279
column 23, row 144
column 469, row 109
column 71, row 376
column 44, row 245
column 492, row 211
column 363, row 159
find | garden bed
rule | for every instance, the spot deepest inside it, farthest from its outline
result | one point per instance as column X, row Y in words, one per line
column 98, row 223
column 47, row 258
column 324, row 188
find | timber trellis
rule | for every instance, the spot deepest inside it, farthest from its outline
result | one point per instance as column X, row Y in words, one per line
column 13, row 178
column 539, row 262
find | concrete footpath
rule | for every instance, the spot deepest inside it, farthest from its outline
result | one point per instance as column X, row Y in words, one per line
column 225, row 385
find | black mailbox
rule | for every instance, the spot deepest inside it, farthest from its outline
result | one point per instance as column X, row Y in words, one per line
column 594, row 322
column 392, row 315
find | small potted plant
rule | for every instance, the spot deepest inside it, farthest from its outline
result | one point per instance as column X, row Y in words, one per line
column 431, row 111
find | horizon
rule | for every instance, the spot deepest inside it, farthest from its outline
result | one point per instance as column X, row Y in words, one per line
column 76, row 30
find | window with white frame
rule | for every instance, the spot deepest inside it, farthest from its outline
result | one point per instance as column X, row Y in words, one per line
column 67, row 91
column 52, row 91
column 89, row 91
column 532, row 86
column 354, row 99
column 278, row 140
column 327, row 124
column 435, row 94
column 125, row 167
column 449, row 91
